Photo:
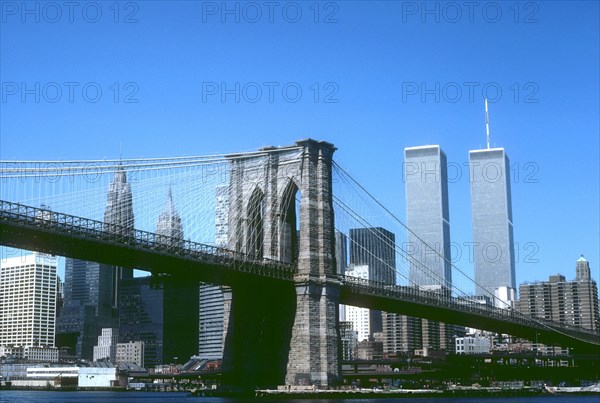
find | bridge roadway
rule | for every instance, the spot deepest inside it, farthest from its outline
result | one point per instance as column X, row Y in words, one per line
column 31, row 228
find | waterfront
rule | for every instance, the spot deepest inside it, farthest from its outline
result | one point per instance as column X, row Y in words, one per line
column 29, row 396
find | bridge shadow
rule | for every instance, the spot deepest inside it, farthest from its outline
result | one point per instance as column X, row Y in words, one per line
column 258, row 336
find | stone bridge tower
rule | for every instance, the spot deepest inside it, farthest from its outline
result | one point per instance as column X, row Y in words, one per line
column 283, row 334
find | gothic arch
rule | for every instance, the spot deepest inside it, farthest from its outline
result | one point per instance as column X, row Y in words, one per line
column 254, row 231
column 288, row 223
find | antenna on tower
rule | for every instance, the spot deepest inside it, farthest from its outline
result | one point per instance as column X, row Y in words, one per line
column 487, row 124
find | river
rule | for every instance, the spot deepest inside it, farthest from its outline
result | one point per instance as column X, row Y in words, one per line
column 31, row 396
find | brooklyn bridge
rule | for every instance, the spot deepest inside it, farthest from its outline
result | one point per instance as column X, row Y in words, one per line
column 274, row 255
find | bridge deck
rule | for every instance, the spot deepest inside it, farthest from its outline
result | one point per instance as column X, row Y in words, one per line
column 60, row 234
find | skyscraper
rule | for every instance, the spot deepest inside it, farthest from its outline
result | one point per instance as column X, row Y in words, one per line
column 211, row 310
column 28, row 300
column 161, row 312
column 428, row 220
column 376, row 249
column 341, row 256
column 491, row 210
column 118, row 217
column 427, row 216
column 92, row 289
column 169, row 227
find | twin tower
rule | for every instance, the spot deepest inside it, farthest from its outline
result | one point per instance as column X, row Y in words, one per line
column 427, row 215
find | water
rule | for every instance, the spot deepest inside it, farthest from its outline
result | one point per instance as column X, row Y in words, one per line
column 28, row 396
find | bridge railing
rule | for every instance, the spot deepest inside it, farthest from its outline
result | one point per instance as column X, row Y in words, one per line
column 443, row 298
column 86, row 228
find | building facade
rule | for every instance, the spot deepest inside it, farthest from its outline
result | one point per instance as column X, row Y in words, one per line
column 211, row 302
column 428, row 248
column 491, row 209
column 375, row 249
column 427, row 216
column 131, row 352
column 91, row 290
column 28, row 300
column 574, row 303
column 359, row 317
column 106, row 349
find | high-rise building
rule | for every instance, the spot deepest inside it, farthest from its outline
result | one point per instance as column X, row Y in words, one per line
column 428, row 248
column 131, row 352
column 491, row 209
column 106, row 349
column 163, row 314
column 211, row 322
column 427, row 216
column 87, row 306
column 161, row 311
column 402, row 334
column 91, row 290
column 574, row 303
column 169, row 227
column 341, row 256
column 28, row 300
column 360, row 317
column 118, row 218
column 374, row 248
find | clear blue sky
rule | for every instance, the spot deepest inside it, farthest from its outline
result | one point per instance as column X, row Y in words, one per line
column 394, row 69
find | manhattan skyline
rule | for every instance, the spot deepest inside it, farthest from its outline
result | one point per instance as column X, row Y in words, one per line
column 375, row 117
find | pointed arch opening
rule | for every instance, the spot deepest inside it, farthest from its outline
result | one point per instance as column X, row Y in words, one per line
column 255, row 224
column 289, row 223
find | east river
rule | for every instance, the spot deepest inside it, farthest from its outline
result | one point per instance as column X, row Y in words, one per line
column 28, row 396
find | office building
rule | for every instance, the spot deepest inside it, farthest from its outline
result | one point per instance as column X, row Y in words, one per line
column 359, row 317
column 341, row 256
column 106, row 349
column 169, row 227
column 428, row 248
column 91, row 290
column 491, row 210
column 427, row 216
column 131, row 352
column 210, row 334
column 161, row 311
column 375, row 249
column 28, row 300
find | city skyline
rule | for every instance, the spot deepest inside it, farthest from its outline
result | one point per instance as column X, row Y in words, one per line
column 423, row 83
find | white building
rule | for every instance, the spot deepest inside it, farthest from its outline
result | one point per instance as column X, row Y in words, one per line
column 360, row 317
column 474, row 344
column 100, row 377
column 132, row 352
column 28, row 300
column 107, row 345
column 505, row 297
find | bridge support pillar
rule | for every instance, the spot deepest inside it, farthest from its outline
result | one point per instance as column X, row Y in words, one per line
column 314, row 352
column 262, row 223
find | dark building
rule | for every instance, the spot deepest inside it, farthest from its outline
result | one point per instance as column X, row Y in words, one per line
column 91, row 289
column 163, row 313
column 376, row 248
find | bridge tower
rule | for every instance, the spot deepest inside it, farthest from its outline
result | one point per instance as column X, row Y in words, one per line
column 277, row 335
